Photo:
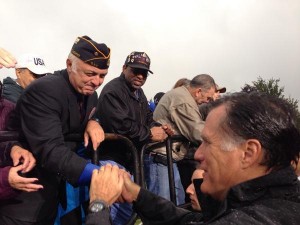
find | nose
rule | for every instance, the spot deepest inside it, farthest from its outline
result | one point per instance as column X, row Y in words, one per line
column 198, row 155
column 97, row 81
column 141, row 76
column 189, row 189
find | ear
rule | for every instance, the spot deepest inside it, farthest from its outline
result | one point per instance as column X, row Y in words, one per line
column 252, row 153
column 197, row 92
column 69, row 64
column 124, row 67
column 18, row 73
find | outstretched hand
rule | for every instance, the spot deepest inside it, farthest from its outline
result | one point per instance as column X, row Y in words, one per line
column 130, row 190
column 106, row 184
column 6, row 59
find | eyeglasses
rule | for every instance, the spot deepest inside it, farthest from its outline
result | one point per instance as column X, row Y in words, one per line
column 138, row 71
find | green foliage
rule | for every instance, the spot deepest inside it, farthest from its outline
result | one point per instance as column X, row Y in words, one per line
column 272, row 87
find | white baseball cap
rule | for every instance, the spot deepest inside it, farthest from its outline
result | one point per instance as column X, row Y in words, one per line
column 33, row 62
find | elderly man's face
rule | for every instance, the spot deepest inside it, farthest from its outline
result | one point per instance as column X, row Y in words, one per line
column 84, row 77
column 221, row 168
column 25, row 77
column 205, row 96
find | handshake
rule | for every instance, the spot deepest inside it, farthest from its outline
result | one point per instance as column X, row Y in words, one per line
column 111, row 184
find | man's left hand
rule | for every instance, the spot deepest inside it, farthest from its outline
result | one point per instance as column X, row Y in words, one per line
column 21, row 155
column 95, row 132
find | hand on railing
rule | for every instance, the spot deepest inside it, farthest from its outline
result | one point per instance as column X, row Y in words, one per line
column 158, row 134
column 168, row 129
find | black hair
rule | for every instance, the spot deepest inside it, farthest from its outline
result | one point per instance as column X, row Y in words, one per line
column 268, row 119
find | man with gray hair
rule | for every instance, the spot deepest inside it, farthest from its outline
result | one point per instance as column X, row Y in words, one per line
column 48, row 110
column 180, row 108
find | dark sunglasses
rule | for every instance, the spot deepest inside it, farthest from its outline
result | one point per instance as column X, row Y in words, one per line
column 138, row 71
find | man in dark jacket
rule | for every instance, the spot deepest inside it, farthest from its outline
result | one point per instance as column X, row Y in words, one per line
column 29, row 68
column 49, row 109
column 248, row 177
column 123, row 109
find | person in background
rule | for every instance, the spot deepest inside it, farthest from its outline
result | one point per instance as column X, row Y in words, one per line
column 181, row 82
column 204, row 108
column 123, row 109
column 48, row 110
column 178, row 107
column 259, row 187
column 13, row 159
column 219, row 91
column 29, row 68
column 157, row 97
column 191, row 189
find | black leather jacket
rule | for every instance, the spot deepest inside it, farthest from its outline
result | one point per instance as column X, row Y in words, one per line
column 121, row 112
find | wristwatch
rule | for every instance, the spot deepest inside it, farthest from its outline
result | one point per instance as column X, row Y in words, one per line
column 96, row 119
column 97, row 206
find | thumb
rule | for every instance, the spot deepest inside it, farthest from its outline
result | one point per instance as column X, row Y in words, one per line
column 16, row 160
column 17, row 168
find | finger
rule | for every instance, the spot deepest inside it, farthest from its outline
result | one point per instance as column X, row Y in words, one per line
column 108, row 167
column 26, row 180
column 32, row 163
column 32, row 187
column 7, row 59
column 86, row 139
column 26, row 161
column 17, row 168
column 16, row 161
column 95, row 143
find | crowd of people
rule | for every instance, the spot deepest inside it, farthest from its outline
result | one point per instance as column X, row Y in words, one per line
column 244, row 147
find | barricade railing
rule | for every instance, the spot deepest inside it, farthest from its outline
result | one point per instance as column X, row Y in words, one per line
column 149, row 147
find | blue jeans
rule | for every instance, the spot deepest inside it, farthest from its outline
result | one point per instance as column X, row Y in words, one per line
column 119, row 212
column 157, row 179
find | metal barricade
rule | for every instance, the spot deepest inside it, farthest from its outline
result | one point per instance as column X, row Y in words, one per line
column 147, row 148
column 111, row 137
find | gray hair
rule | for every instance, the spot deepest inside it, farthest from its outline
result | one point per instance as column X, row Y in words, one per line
column 203, row 81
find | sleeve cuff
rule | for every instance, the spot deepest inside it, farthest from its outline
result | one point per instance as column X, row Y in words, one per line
column 86, row 174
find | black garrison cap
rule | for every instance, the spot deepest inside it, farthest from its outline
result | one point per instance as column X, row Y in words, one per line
column 91, row 52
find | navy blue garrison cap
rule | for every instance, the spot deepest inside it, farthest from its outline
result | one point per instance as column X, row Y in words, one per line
column 91, row 52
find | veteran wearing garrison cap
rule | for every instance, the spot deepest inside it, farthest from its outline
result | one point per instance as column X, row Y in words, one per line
column 51, row 108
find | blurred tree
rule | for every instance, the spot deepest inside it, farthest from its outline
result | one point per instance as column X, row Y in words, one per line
column 272, row 87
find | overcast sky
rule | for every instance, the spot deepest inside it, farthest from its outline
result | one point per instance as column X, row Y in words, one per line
column 235, row 41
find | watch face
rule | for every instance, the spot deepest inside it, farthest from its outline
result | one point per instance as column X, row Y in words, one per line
column 96, row 207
